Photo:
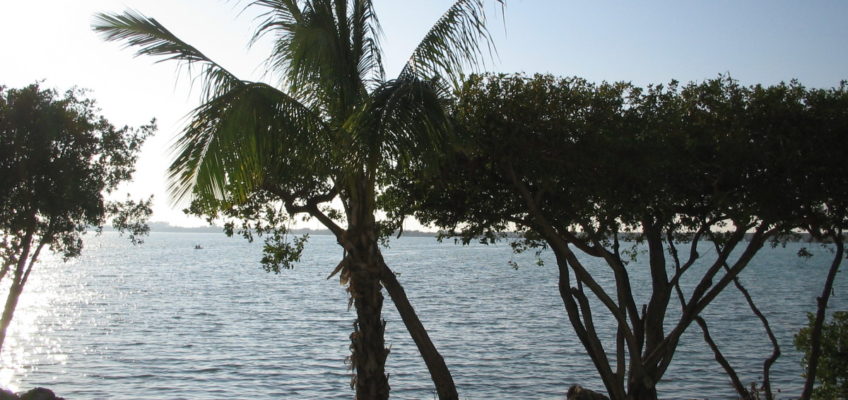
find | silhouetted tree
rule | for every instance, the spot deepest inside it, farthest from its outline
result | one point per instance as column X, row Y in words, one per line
column 260, row 154
column 822, row 181
column 608, row 170
column 58, row 159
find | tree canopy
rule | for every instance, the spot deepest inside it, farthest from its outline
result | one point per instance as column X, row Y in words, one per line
column 609, row 170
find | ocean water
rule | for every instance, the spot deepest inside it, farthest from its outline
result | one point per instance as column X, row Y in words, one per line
column 165, row 321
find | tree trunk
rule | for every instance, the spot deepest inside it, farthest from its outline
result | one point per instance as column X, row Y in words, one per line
column 815, row 334
column 18, row 280
column 364, row 264
column 641, row 388
column 368, row 350
column 439, row 373
column 9, row 311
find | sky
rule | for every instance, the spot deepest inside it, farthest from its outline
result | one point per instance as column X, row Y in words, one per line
column 643, row 42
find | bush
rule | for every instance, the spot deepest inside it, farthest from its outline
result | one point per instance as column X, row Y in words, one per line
column 832, row 371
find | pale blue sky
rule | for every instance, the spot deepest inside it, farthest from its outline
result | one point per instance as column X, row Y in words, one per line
column 638, row 41
column 654, row 41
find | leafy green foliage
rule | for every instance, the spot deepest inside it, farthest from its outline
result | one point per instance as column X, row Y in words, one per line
column 131, row 216
column 260, row 215
column 606, row 158
column 58, row 158
column 832, row 371
column 282, row 253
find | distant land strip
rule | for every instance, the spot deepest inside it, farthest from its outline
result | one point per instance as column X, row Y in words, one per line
column 626, row 236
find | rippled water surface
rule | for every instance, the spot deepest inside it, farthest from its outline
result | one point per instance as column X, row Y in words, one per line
column 166, row 321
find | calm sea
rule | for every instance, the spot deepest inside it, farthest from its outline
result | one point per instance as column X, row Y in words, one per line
column 166, row 321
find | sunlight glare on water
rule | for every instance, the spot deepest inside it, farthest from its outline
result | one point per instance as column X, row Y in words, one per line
column 32, row 340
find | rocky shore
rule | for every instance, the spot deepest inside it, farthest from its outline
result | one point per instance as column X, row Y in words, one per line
column 34, row 394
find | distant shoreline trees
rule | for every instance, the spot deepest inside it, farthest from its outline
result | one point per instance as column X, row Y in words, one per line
column 58, row 159
column 574, row 165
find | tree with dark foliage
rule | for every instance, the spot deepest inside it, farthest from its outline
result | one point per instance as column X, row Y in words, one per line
column 599, row 173
column 58, row 160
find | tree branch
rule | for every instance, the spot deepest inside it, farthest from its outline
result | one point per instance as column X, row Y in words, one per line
column 311, row 207
column 775, row 346
column 815, row 334
column 719, row 356
column 694, row 308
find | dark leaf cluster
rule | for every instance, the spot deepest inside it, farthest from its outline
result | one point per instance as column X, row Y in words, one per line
column 58, row 159
column 607, row 158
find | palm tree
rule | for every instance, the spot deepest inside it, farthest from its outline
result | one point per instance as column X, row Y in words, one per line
column 332, row 132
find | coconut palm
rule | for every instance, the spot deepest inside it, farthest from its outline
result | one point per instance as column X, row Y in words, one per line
column 330, row 132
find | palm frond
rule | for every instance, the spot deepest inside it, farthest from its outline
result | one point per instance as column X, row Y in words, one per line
column 453, row 42
column 153, row 39
column 405, row 118
column 279, row 14
column 326, row 50
column 366, row 42
column 245, row 138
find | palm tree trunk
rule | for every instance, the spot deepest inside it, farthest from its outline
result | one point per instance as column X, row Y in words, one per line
column 368, row 350
column 439, row 372
column 367, row 343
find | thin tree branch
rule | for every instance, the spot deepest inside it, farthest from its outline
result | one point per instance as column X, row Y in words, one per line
column 728, row 369
column 693, row 253
column 719, row 356
column 775, row 346
column 815, row 334
column 694, row 308
column 560, row 245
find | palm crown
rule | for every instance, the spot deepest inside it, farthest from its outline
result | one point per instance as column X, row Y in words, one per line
column 335, row 115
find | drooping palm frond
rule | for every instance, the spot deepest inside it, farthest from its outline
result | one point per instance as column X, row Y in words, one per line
column 247, row 137
column 452, row 43
column 152, row 38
